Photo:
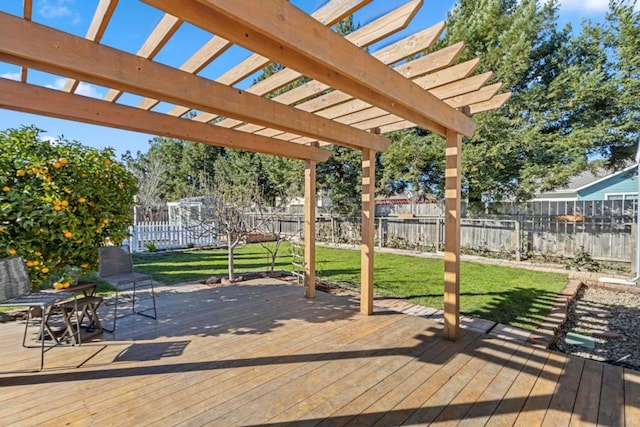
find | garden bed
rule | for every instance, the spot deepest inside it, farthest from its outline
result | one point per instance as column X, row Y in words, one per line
column 602, row 324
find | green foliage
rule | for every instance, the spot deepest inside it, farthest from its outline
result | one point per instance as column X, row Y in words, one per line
column 60, row 201
column 582, row 261
column 575, row 97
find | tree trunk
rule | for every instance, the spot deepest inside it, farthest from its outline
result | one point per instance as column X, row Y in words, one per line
column 231, row 247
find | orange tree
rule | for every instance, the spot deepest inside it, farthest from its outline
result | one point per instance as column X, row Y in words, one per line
column 59, row 201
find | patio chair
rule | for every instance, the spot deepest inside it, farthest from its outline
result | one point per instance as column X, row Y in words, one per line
column 15, row 291
column 116, row 268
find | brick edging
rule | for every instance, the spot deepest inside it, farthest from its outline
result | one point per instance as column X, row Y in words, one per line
column 545, row 333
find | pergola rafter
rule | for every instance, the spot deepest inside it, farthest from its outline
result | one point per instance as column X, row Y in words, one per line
column 350, row 97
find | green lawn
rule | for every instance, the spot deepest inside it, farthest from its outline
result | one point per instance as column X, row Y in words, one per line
column 516, row 297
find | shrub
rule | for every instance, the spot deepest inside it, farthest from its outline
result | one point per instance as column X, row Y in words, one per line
column 59, row 201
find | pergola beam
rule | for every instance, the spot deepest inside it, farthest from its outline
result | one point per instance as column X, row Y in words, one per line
column 49, row 102
column 278, row 29
column 329, row 14
column 101, row 17
column 362, row 37
column 27, row 43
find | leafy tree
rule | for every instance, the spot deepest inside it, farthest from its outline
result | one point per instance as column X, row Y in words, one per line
column 60, row 201
column 565, row 106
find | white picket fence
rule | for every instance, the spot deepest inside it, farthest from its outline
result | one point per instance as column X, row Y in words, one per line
column 165, row 235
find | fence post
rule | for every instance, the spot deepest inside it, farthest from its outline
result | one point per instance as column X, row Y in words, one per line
column 634, row 248
column 438, row 233
column 517, row 232
column 380, row 232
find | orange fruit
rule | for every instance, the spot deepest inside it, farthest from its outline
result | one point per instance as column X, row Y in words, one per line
column 45, row 270
column 64, row 203
column 68, row 234
column 63, row 160
column 58, row 286
column 20, row 172
column 6, row 189
column 57, row 165
column 12, row 251
column 82, row 200
column 57, row 208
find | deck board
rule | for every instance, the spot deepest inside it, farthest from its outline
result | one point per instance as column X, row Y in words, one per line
column 260, row 353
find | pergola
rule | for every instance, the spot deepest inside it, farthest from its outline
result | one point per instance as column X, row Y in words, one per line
column 352, row 98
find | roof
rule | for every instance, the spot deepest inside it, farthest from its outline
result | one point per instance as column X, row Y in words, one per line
column 353, row 97
column 587, row 179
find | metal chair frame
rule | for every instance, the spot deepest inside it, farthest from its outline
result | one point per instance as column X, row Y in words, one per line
column 116, row 268
column 15, row 291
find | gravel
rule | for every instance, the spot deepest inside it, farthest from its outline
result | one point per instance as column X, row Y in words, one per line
column 612, row 319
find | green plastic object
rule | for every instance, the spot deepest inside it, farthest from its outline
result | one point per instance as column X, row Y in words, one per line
column 582, row 340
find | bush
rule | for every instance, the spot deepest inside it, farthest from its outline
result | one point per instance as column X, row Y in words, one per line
column 59, row 201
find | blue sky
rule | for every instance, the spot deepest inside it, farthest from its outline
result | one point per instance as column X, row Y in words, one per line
column 132, row 23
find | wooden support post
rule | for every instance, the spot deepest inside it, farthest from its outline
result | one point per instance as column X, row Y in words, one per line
column 453, row 174
column 310, row 229
column 368, row 230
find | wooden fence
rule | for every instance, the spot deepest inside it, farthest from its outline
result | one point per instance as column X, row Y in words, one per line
column 525, row 236
column 605, row 230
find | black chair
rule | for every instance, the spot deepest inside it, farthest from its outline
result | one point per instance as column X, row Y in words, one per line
column 116, row 268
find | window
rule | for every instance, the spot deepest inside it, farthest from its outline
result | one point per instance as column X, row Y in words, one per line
column 621, row 196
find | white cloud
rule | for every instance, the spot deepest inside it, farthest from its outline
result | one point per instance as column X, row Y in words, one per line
column 51, row 9
column 84, row 89
column 588, row 6
column 11, row 76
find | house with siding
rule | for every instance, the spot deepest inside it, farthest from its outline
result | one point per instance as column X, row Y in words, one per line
column 603, row 185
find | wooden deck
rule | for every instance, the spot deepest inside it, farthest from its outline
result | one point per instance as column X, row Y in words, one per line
column 260, row 353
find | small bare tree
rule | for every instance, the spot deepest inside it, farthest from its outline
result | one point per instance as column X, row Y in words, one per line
column 270, row 225
column 149, row 177
column 223, row 212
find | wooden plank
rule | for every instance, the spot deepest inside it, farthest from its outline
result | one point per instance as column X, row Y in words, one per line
column 631, row 397
column 329, row 14
column 309, row 229
column 27, row 13
column 364, row 380
column 392, row 53
column 611, row 411
column 307, row 386
column 585, row 411
column 368, row 230
column 199, row 60
column 101, row 17
column 368, row 408
column 453, row 179
column 364, row 36
column 486, row 404
column 480, row 95
column 564, row 396
column 455, row 397
column 231, row 407
column 54, row 51
column 160, row 35
column 512, row 402
column 461, row 87
column 535, row 408
column 493, row 104
column 448, row 75
column 38, row 100
column 285, row 33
